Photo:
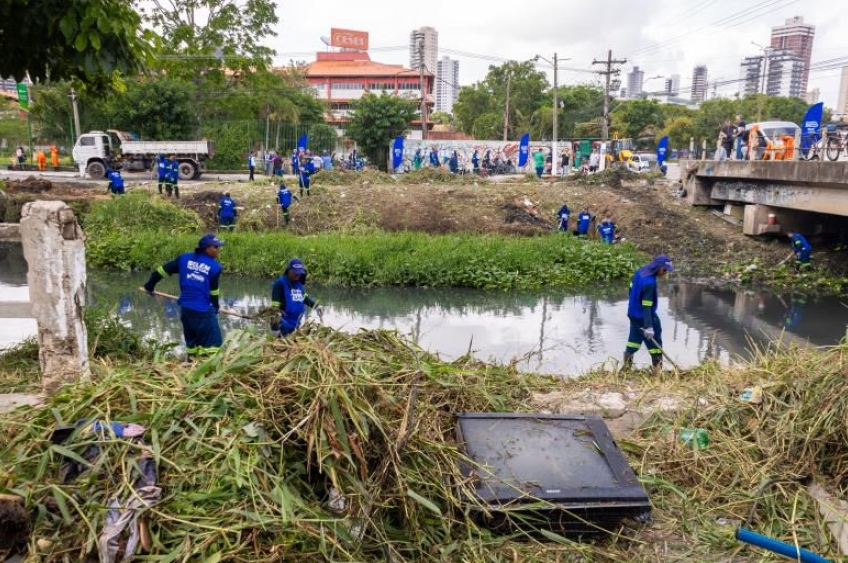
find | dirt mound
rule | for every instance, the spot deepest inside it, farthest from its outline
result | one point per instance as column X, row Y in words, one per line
column 432, row 175
column 524, row 211
column 203, row 203
column 613, row 177
column 340, row 178
column 41, row 186
column 31, row 185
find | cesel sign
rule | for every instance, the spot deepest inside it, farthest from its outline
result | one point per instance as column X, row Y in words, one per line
column 349, row 39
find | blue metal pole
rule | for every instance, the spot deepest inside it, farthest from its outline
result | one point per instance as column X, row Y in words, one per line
column 779, row 547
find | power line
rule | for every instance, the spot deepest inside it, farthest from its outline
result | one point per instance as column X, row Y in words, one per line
column 608, row 74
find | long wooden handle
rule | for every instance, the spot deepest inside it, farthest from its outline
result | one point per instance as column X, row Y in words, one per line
column 174, row 297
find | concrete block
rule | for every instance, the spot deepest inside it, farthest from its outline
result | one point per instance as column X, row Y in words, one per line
column 735, row 211
column 11, row 401
column 54, row 248
column 10, row 232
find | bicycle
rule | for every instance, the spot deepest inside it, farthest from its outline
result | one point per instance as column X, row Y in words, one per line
column 836, row 143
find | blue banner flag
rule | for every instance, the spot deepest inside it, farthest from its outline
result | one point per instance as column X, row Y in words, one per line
column 524, row 150
column 662, row 150
column 302, row 142
column 811, row 127
column 397, row 152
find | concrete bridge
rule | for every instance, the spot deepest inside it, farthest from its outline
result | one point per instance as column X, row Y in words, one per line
column 809, row 196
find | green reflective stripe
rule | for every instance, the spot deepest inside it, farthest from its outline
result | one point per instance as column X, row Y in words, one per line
column 161, row 271
column 191, row 351
column 634, row 345
column 208, row 351
column 215, row 292
column 654, row 351
column 647, row 303
column 275, row 303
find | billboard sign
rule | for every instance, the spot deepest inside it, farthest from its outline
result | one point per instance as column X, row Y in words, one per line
column 349, row 39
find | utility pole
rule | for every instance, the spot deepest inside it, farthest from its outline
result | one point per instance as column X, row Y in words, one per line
column 554, row 153
column 423, row 90
column 506, row 108
column 608, row 72
column 74, row 99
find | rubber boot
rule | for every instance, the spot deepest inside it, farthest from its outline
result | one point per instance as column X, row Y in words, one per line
column 627, row 363
column 177, row 192
column 657, row 365
column 160, row 188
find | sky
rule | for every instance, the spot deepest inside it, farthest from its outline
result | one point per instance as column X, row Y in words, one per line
column 662, row 37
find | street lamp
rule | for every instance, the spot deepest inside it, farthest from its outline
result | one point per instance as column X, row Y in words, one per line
column 555, row 65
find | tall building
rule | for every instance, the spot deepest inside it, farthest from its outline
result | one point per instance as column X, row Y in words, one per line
column 751, row 75
column 447, row 84
column 796, row 37
column 777, row 73
column 424, row 48
column 672, row 85
column 842, row 108
column 635, row 79
column 700, row 79
column 814, row 96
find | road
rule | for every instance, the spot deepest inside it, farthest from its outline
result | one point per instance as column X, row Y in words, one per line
column 134, row 178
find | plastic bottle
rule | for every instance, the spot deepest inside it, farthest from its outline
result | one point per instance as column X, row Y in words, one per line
column 753, row 395
column 698, row 438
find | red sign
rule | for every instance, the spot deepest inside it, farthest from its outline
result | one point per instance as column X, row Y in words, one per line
column 349, row 39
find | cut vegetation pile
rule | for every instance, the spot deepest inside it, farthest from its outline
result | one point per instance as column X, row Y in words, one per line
column 340, row 447
column 344, row 178
column 431, row 175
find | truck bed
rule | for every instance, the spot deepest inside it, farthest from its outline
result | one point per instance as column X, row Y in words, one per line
column 193, row 148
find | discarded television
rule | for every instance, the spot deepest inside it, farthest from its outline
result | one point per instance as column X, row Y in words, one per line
column 560, row 473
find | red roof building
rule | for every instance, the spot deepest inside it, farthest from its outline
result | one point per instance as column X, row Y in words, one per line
column 341, row 77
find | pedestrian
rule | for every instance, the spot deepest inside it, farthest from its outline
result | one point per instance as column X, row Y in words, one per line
column 475, row 162
column 21, row 156
column 802, row 249
column 606, row 230
column 295, row 164
column 487, row 160
column 163, row 167
column 284, row 196
column 417, row 159
column 41, row 160
column 317, row 162
column 565, row 164
column 453, row 163
column 199, row 276
column 594, row 161
column 645, row 325
column 251, row 165
column 278, row 164
column 54, row 156
column 584, row 221
column 539, row 162
column 288, row 294
column 173, row 181
column 549, row 162
column 740, row 136
column 227, row 212
column 307, row 169
column 721, row 151
column 116, row 182
column 564, row 214
column 729, row 131
column 327, row 161
column 269, row 162
column 434, row 157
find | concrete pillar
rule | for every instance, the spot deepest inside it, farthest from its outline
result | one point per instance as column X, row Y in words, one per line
column 54, row 249
column 756, row 220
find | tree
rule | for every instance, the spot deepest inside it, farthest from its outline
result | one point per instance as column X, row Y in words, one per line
column 376, row 120
column 51, row 106
column 71, row 39
column 473, row 102
column 442, row 118
column 679, row 130
column 638, row 120
column 155, row 109
column 199, row 36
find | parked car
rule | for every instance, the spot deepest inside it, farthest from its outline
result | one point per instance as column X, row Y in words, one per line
column 642, row 162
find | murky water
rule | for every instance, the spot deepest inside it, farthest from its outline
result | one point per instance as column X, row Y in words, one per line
column 548, row 332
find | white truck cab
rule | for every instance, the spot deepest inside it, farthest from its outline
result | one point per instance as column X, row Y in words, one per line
column 93, row 153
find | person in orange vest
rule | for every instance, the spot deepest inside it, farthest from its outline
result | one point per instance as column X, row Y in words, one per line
column 54, row 156
column 41, row 158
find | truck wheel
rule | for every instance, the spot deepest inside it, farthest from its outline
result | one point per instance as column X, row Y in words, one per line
column 197, row 174
column 187, row 170
column 96, row 170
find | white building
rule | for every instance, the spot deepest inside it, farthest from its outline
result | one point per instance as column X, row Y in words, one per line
column 672, row 85
column 635, row 79
column 700, row 83
column 842, row 108
column 751, row 75
column 784, row 74
column 447, row 84
column 424, row 49
column 814, row 96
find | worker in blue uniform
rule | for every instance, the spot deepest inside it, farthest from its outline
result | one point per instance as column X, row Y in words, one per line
column 288, row 294
column 307, row 169
column 564, row 214
column 162, row 169
column 475, row 162
column 645, row 325
column 227, row 212
column 199, row 275
column 295, row 163
column 584, row 221
column 802, row 249
column 606, row 230
column 172, row 184
column 434, row 157
column 116, row 182
column 285, row 197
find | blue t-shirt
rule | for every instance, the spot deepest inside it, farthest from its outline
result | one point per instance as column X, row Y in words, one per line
column 227, row 207
column 199, row 275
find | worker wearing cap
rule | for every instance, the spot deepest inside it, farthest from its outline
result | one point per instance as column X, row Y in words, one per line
column 162, row 168
column 199, row 274
column 284, row 196
column 227, row 212
column 564, row 214
column 606, row 230
column 116, row 181
column 642, row 311
column 802, row 249
column 307, row 169
column 584, row 220
column 288, row 294
column 173, row 178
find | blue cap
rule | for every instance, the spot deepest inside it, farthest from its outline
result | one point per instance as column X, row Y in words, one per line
column 662, row 261
column 296, row 266
column 209, row 240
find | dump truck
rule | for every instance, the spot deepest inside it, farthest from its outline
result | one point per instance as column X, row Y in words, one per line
column 96, row 151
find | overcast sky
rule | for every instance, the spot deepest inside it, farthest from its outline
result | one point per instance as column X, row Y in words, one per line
column 663, row 37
